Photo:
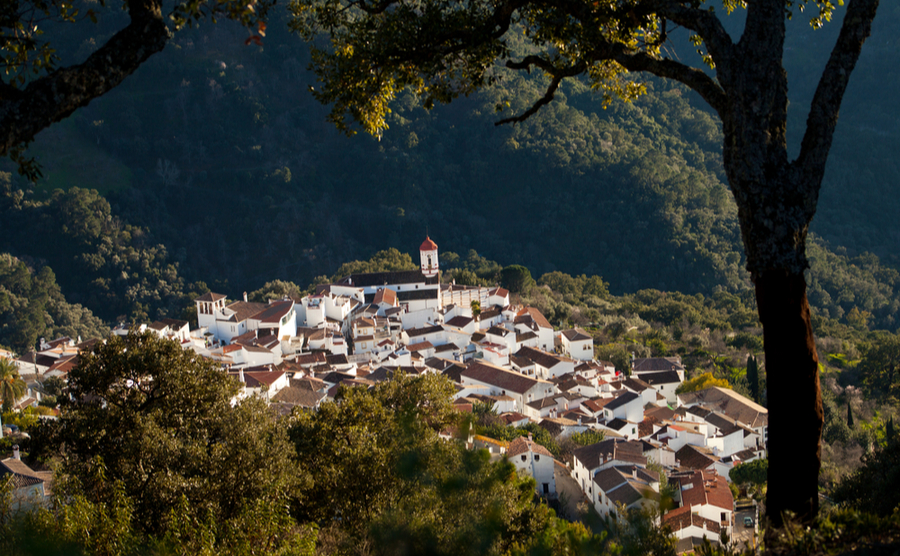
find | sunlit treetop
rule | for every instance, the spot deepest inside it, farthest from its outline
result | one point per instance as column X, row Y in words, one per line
column 442, row 49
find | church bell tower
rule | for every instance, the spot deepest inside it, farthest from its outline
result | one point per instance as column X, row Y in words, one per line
column 428, row 256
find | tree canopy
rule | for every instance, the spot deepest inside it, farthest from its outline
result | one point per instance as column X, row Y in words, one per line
column 161, row 420
column 442, row 51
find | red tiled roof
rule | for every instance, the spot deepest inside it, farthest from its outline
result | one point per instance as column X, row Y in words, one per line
column 523, row 444
column 428, row 245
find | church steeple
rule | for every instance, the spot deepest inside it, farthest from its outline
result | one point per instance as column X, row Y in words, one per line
column 428, row 257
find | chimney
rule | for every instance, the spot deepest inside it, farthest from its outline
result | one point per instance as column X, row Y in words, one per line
column 245, row 297
column 529, row 437
column 634, row 472
column 16, row 452
column 241, row 375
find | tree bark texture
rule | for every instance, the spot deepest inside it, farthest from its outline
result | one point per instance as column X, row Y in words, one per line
column 49, row 99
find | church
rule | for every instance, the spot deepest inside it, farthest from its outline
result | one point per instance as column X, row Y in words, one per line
column 412, row 290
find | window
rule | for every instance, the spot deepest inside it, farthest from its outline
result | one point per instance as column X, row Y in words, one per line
column 524, row 457
column 546, row 488
column 537, row 457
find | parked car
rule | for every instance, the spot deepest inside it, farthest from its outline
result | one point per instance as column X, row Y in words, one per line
column 12, row 428
column 748, row 521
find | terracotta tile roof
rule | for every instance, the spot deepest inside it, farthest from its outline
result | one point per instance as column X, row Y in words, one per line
column 522, row 444
column 244, row 310
column 421, row 346
column 635, row 384
column 416, row 332
column 701, row 488
column 64, row 364
column 264, row 377
column 682, row 518
column 428, row 245
column 274, row 312
column 459, row 321
column 542, row 403
column 511, row 417
column 576, row 335
column 647, row 364
column 530, row 314
column 593, row 456
column 303, row 397
column 730, row 403
column 309, row 359
column 500, row 377
column 20, row 474
column 619, row 401
column 542, row 358
column 661, row 377
column 645, row 427
column 386, row 296
column 596, row 404
column 692, row 457
column 626, row 485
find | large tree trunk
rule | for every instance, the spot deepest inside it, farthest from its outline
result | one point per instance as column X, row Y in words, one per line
column 794, row 397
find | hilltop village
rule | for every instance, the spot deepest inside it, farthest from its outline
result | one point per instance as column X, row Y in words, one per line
column 298, row 353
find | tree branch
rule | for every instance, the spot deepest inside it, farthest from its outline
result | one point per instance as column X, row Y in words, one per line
column 558, row 74
column 55, row 96
column 703, row 22
column 826, row 102
column 694, row 78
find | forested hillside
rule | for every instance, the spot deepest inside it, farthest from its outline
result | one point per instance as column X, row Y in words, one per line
column 214, row 163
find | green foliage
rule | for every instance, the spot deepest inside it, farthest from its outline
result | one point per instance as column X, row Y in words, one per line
column 32, row 306
column 25, row 420
column 54, row 386
column 388, row 260
column 880, row 367
column 102, row 263
column 429, row 496
column 702, row 382
column 755, row 472
column 276, row 289
column 516, row 278
column 540, row 435
column 874, row 487
column 12, row 387
column 588, row 437
column 160, row 419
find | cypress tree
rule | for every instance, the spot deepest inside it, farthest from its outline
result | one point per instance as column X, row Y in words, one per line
column 889, row 429
column 753, row 377
column 849, row 415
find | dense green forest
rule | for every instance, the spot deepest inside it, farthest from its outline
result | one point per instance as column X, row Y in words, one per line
column 214, row 163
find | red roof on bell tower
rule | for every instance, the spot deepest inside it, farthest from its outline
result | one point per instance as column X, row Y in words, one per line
column 428, row 245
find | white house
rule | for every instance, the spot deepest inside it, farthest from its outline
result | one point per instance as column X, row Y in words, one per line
column 628, row 406
column 577, row 344
column 547, row 365
column 730, row 403
column 707, row 495
column 535, row 461
column 502, row 381
column 588, row 460
column 29, row 488
column 624, row 487
column 531, row 319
